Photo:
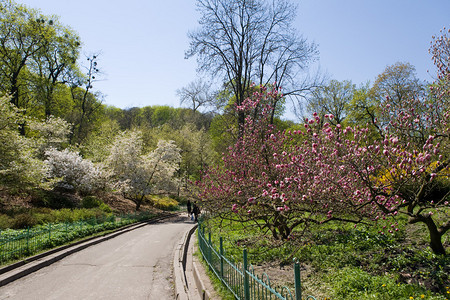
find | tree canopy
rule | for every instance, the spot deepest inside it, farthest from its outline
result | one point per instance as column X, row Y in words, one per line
column 251, row 41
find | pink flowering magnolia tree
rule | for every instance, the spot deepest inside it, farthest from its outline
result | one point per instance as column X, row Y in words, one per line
column 266, row 178
column 279, row 180
column 390, row 176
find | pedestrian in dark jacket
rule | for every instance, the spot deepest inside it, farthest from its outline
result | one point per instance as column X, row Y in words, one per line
column 196, row 211
column 189, row 208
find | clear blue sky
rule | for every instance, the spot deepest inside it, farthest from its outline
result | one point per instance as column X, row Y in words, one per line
column 142, row 42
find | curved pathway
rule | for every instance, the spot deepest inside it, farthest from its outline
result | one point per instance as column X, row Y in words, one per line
column 134, row 265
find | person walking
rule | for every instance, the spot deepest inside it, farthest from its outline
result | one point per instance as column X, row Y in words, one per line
column 196, row 211
column 189, row 208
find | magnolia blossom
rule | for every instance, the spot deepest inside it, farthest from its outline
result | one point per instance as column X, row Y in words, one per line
column 331, row 173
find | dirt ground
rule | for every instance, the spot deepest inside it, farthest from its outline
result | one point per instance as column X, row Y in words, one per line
column 284, row 276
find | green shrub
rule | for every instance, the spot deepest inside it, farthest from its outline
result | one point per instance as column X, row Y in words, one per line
column 5, row 221
column 43, row 215
column 94, row 202
column 180, row 199
column 23, row 218
column 64, row 215
column 91, row 202
column 51, row 199
column 105, row 208
column 163, row 203
column 73, row 215
column 23, row 221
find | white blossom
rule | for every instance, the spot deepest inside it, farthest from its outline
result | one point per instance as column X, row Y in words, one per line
column 18, row 163
column 138, row 174
column 53, row 132
column 73, row 171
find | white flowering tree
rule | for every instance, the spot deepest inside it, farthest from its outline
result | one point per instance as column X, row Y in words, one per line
column 18, row 163
column 51, row 133
column 72, row 172
column 140, row 174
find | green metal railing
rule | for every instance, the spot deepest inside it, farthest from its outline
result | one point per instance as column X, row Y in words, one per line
column 240, row 278
column 17, row 244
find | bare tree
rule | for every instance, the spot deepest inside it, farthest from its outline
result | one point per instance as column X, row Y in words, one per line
column 196, row 94
column 251, row 41
column 86, row 102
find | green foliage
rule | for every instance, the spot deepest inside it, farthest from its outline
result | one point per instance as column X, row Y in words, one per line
column 38, row 54
column 22, row 218
column 50, row 199
column 96, row 146
column 282, row 124
column 91, row 202
column 73, row 215
column 343, row 261
column 157, row 116
column 332, row 99
column 223, row 292
column 223, row 132
column 163, row 202
column 354, row 283
column 18, row 163
column 179, row 199
column 40, row 70
column 195, row 145
column 5, row 221
column 94, row 202
column 162, row 115
column 24, row 221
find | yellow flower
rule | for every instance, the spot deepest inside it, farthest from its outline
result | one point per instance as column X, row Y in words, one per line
column 411, row 297
column 422, row 296
column 383, row 285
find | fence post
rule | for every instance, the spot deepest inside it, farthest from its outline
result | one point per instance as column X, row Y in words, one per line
column 221, row 257
column 246, row 279
column 49, row 232
column 28, row 239
column 298, row 286
column 199, row 236
column 209, row 249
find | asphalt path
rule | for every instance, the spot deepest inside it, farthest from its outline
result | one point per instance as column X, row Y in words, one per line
column 135, row 265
